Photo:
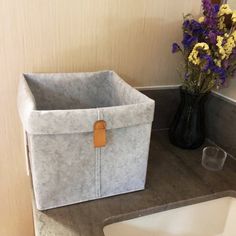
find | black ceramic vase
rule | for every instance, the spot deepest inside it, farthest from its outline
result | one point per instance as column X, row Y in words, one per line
column 188, row 127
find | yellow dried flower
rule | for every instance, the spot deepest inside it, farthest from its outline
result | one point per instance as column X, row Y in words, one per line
column 203, row 46
column 221, row 23
column 229, row 46
column 234, row 35
column 193, row 56
column 218, row 62
column 233, row 18
column 220, row 47
column 201, row 19
column 224, row 10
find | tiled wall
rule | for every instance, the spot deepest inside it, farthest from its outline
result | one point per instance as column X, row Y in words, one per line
column 167, row 101
column 221, row 123
column 220, row 116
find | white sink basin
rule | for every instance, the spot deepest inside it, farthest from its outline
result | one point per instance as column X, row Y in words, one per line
column 211, row 218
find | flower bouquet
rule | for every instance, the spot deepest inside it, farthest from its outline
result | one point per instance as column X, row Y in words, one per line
column 208, row 48
column 209, row 52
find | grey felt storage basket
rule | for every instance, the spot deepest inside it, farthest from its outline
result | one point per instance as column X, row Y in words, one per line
column 58, row 112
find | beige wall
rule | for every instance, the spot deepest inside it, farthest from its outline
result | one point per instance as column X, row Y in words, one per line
column 232, row 4
column 132, row 37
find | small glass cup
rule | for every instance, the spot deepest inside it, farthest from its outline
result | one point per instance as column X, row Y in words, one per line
column 213, row 158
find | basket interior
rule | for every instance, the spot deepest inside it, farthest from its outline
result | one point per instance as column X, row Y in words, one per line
column 80, row 91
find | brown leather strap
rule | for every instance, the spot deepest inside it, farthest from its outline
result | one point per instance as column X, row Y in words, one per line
column 99, row 133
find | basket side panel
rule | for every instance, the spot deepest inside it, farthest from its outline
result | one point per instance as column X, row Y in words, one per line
column 124, row 160
column 62, row 169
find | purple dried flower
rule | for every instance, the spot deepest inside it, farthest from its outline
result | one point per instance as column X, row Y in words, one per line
column 188, row 40
column 210, row 12
column 186, row 24
column 221, row 73
column 212, row 37
column 223, row 79
column 196, row 27
column 206, row 5
column 186, row 75
column 175, row 48
column 225, row 64
column 192, row 27
column 208, row 62
column 216, row 8
column 195, row 24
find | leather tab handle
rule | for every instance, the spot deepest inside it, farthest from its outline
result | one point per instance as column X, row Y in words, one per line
column 99, row 133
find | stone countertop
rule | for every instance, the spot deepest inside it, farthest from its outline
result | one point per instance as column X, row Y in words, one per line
column 175, row 178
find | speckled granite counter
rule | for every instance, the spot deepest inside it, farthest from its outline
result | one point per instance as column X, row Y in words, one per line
column 175, row 178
